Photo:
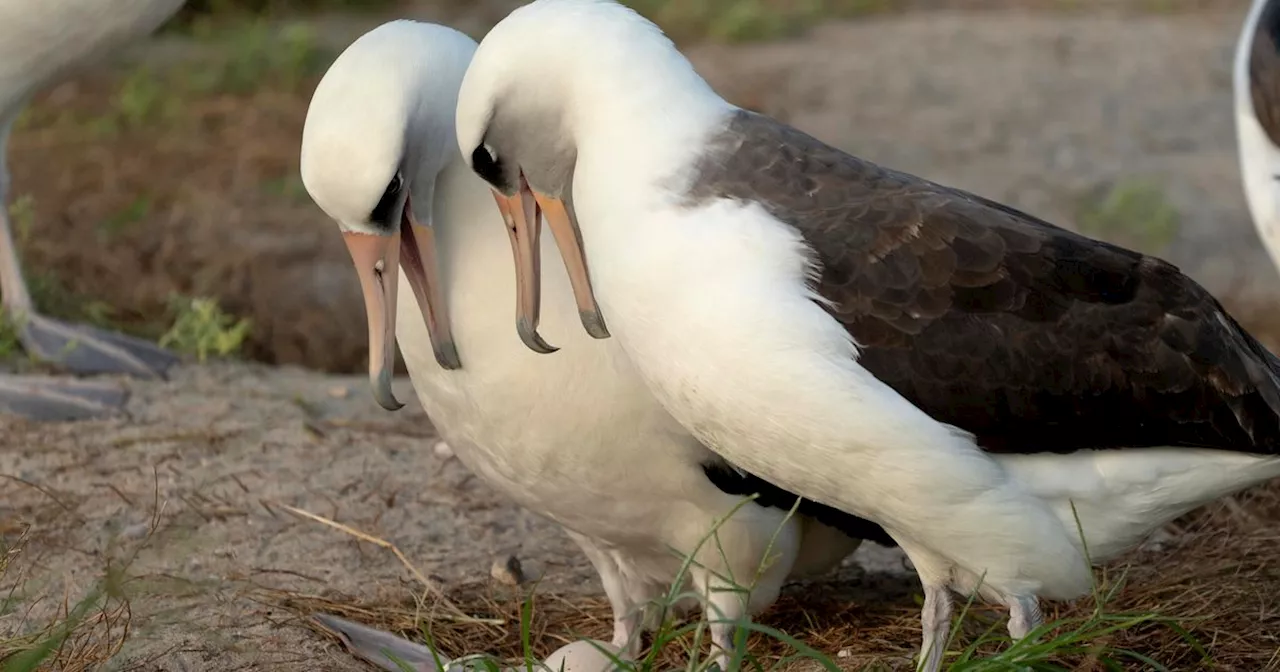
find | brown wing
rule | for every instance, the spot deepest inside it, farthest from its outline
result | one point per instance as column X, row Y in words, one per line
column 1030, row 336
column 1264, row 71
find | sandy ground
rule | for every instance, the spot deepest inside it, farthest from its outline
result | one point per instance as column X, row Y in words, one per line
column 216, row 448
column 185, row 495
column 1037, row 110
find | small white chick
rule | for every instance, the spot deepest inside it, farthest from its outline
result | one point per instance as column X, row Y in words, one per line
column 582, row 656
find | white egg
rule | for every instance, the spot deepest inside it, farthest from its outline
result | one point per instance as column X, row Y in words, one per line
column 582, row 656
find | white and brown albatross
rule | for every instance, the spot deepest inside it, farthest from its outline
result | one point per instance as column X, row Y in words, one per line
column 956, row 370
column 1256, row 80
column 41, row 42
column 577, row 438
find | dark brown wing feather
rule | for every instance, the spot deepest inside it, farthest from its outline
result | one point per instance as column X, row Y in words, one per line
column 1264, row 71
column 1030, row 336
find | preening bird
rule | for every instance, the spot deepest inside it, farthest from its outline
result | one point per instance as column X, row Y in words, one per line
column 966, row 375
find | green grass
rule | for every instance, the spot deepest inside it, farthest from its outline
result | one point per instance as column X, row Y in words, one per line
column 22, row 215
column 1134, row 213
column 10, row 345
column 53, row 298
column 749, row 20
column 197, row 11
column 142, row 99
column 28, row 654
column 287, row 187
column 252, row 53
column 240, row 47
column 125, row 218
column 201, row 328
column 196, row 326
column 87, row 633
column 49, row 293
column 234, row 57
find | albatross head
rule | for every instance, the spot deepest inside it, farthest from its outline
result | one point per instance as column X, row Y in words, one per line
column 378, row 132
column 534, row 80
column 559, row 84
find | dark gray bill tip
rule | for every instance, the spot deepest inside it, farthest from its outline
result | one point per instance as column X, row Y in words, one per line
column 382, row 391
column 447, row 355
column 529, row 335
column 593, row 322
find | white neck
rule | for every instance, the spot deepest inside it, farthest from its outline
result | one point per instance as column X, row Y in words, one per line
column 478, row 278
column 640, row 111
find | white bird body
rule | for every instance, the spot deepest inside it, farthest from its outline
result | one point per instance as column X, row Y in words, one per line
column 1259, row 155
column 807, row 414
column 714, row 296
column 42, row 43
column 575, row 436
column 822, row 426
column 584, row 655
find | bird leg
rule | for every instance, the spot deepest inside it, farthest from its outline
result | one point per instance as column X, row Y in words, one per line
column 627, row 614
column 77, row 348
column 49, row 399
column 726, row 606
column 1024, row 616
column 935, row 620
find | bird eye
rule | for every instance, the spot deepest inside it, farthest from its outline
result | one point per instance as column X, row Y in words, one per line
column 483, row 156
column 486, row 164
column 385, row 209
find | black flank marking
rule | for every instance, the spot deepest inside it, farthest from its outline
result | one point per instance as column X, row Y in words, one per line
column 490, row 169
column 385, row 210
column 741, row 484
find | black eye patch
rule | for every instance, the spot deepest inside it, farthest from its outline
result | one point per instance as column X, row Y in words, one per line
column 489, row 168
column 386, row 207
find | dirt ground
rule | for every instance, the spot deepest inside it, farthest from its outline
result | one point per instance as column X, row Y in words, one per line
column 1040, row 110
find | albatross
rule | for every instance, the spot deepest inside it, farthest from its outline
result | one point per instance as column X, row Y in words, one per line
column 966, row 375
column 40, row 42
column 577, row 437
column 1256, row 80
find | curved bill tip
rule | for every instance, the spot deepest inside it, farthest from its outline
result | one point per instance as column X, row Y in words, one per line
column 446, row 353
column 593, row 322
column 529, row 335
column 382, row 393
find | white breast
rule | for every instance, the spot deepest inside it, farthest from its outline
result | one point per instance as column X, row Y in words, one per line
column 712, row 305
column 574, row 435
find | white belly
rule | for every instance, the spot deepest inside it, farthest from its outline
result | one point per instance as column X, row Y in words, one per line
column 575, row 436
